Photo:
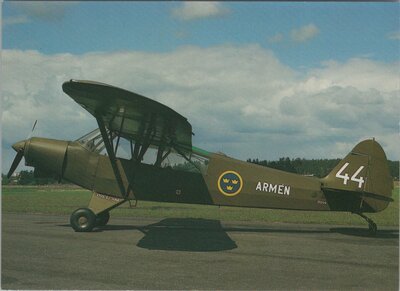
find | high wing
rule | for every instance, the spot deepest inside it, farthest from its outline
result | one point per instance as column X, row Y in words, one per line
column 131, row 115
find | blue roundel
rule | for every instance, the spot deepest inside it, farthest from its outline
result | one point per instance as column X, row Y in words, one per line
column 230, row 183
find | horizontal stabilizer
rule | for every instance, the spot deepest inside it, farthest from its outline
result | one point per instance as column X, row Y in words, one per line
column 361, row 194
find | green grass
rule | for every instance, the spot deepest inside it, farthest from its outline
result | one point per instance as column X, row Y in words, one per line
column 55, row 200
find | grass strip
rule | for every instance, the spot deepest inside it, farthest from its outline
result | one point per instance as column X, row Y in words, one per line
column 63, row 201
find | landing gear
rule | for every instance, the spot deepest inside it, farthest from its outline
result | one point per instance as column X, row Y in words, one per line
column 97, row 214
column 83, row 220
column 371, row 224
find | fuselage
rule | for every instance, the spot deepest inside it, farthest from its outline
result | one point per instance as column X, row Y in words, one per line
column 221, row 181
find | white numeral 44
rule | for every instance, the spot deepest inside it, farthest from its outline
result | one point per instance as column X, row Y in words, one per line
column 354, row 178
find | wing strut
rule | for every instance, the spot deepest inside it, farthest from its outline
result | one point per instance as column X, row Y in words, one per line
column 110, row 151
column 119, row 135
column 161, row 148
column 147, row 133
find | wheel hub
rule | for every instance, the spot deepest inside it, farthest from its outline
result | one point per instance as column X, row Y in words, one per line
column 83, row 221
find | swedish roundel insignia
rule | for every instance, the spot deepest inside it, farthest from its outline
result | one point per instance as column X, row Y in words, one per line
column 230, row 183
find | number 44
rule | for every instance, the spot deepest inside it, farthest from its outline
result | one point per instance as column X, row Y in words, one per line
column 354, row 178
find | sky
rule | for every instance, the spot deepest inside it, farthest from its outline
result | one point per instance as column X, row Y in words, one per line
column 255, row 80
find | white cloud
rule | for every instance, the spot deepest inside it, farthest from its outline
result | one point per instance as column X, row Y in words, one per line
column 198, row 10
column 275, row 38
column 361, row 73
column 47, row 11
column 301, row 34
column 304, row 33
column 394, row 35
column 240, row 100
column 19, row 19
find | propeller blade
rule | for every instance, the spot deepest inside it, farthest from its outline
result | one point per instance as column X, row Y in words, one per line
column 15, row 163
column 34, row 125
column 33, row 128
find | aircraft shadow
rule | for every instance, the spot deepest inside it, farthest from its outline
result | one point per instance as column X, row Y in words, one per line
column 186, row 234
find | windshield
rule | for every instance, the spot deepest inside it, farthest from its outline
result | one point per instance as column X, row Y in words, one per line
column 93, row 141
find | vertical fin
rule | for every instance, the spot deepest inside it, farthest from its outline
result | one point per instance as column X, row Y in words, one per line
column 364, row 170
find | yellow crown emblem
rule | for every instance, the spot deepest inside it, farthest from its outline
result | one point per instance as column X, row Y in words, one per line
column 230, row 183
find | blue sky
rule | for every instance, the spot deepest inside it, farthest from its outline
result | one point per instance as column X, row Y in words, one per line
column 256, row 80
column 344, row 30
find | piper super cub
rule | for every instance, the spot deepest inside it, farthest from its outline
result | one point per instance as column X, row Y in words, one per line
column 142, row 150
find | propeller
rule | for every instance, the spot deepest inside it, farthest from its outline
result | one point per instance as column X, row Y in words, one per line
column 19, row 147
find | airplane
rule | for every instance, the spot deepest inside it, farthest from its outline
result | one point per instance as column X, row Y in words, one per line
column 159, row 163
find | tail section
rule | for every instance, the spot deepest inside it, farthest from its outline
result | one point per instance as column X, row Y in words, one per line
column 361, row 182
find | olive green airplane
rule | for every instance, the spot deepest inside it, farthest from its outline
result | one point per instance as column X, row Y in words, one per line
column 142, row 150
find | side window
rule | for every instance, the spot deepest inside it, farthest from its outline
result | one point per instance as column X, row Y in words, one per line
column 189, row 163
column 124, row 148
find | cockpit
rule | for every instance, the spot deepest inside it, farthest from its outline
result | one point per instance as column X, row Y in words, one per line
column 168, row 157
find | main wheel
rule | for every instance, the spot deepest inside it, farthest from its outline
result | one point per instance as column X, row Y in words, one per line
column 102, row 218
column 83, row 220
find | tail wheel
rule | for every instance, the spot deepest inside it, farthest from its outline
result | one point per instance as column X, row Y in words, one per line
column 372, row 228
column 83, row 220
column 102, row 218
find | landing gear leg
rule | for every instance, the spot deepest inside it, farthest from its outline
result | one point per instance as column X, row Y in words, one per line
column 371, row 224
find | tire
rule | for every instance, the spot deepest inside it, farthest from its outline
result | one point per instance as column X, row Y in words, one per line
column 83, row 220
column 102, row 218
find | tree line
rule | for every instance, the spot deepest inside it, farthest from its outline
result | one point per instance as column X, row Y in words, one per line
column 316, row 167
column 26, row 177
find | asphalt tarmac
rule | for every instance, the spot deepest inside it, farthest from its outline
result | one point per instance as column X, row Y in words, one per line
column 43, row 252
